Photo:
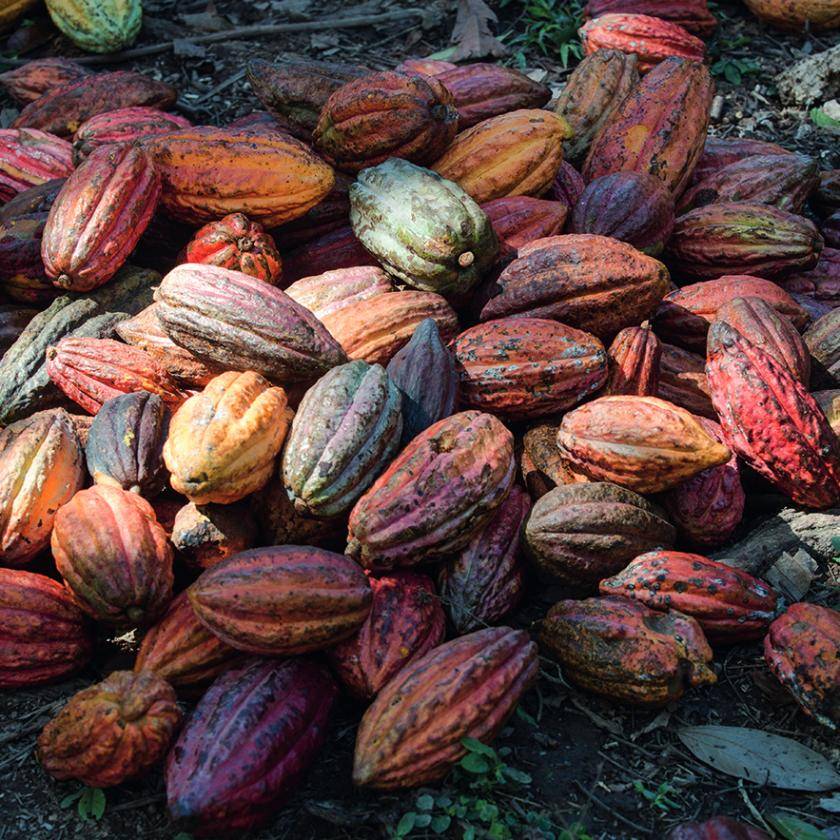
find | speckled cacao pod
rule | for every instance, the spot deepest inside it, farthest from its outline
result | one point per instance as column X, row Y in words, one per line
column 467, row 688
column 717, row 828
column 113, row 556
column 29, row 158
column 484, row 582
column 44, row 636
column 623, row 650
column 593, row 92
column 23, row 278
column 524, row 368
column 98, row 26
column 581, row 533
column 331, row 251
column 693, row 15
column 821, row 283
column 729, row 604
column 823, row 340
column 282, row 600
column 650, row 39
column 422, row 228
column 180, row 650
column 513, row 154
column 206, row 534
column 643, row 443
column 719, row 152
column 684, row 315
column 590, row 282
column 248, row 742
column 238, row 322
column 36, row 78
column 659, row 128
column 520, row 219
column 801, row 649
column 444, row 486
column 41, row 468
column 771, row 421
column 682, row 381
column 814, row 15
column 324, row 294
column 115, row 730
column 345, row 432
column 634, row 361
column 405, row 622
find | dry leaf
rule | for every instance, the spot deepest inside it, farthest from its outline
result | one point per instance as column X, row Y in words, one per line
column 473, row 34
column 792, row 574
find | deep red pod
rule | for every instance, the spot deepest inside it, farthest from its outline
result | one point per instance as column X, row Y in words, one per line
column 568, row 185
column 405, row 621
column 717, row 828
column 721, row 151
column 337, row 249
column 822, row 283
column 693, row 15
column 36, row 78
column 329, row 214
column 22, row 276
column 634, row 359
column 247, row 744
column 520, row 219
column 29, row 157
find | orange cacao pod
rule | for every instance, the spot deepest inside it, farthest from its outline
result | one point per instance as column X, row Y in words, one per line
column 796, row 15
column 634, row 359
column 682, row 381
column 693, row 15
column 29, row 158
column 327, row 293
column 36, row 78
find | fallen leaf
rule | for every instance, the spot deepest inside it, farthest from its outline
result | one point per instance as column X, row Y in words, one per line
column 831, row 803
column 792, row 828
column 472, row 34
column 760, row 757
column 792, row 574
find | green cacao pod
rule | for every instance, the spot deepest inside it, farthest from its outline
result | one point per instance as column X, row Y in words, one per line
column 98, row 26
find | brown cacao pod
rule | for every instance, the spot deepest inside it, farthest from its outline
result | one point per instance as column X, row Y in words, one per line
column 821, row 283
column 643, row 443
column 467, row 688
column 44, row 636
column 283, row 600
column 34, row 200
column 522, row 368
column 771, row 421
column 626, row 651
column 113, row 731
column 659, row 128
column 634, row 360
column 541, row 464
column 206, row 534
column 717, row 828
column 324, row 294
column 590, row 282
column 581, row 533
column 815, row 15
column 693, row 15
column 801, row 649
column 516, row 153
column 114, row 556
column 29, row 158
column 520, row 219
column 444, row 486
column 332, row 251
column 682, row 381
column 729, row 604
column 63, row 109
column 32, row 80
column 719, row 152
column 592, row 94
column 41, row 468
column 484, row 582
column 22, row 275
column 650, row 39
column 405, row 622
column 823, row 340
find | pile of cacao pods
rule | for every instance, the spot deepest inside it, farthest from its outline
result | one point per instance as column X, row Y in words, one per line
column 422, row 339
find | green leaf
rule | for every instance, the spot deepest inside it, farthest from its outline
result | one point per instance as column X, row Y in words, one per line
column 476, row 746
column 442, row 55
column 469, row 833
column 422, row 820
column 97, row 803
column 523, row 715
column 71, row 798
column 517, row 775
column 823, row 120
column 473, row 763
column 406, row 824
column 425, row 802
column 792, row 828
column 732, row 74
column 441, row 823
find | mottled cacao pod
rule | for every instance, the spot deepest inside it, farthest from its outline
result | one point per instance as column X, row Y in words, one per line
column 568, row 185
column 717, row 828
column 206, row 534
column 829, row 402
column 626, row 651
column 634, row 360
column 324, row 294
column 542, row 465
column 719, row 152
column 467, row 688
column 36, row 78
column 331, row 251
column 29, row 158
column 823, row 340
column 98, row 26
column 520, row 219
column 693, row 15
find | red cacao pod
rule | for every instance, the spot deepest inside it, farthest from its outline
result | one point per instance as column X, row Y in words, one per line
column 405, row 622
column 568, row 185
column 717, row 828
column 520, row 219
column 801, row 650
column 771, row 421
column 682, row 381
column 729, row 604
column 29, row 158
column 332, row 251
column 693, row 15
column 467, row 688
column 823, row 340
column 114, row 556
column 821, row 283
column 623, row 650
column 719, row 152
column 634, row 359
column 113, row 731
column 36, row 78
column 44, row 636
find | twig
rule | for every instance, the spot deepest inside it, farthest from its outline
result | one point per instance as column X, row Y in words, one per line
column 750, row 807
column 604, row 807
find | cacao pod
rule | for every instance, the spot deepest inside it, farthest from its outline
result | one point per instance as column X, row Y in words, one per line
column 821, row 283
column 799, row 15
column 829, row 402
column 520, row 219
column 329, row 214
column 719, row 152
column 823, row 340
column 324, row 294
column 693, row 15
column 826, row 197
column 682, row 381
column 426, row 66
column 568, row 185
column 717, row 828
column 542, row 465
column 98, row 26
column 206, row 534
column 29, row 158
column 634, row 359
column 32, row 80
column 331, row 251
column 22, row 275
column 33, row 200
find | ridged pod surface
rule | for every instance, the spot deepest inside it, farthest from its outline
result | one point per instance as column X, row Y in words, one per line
column 485, row 580
column 592, row 94
column 651, row 39
column 41, row 469
column 424, row 372
column 797, row 15
column 282, row 600
column 33, row 200
column 523, row 368
column 29, row 158
column 581, row 533
column 209, row 172
column 467, row 688
column 329, row 214
column 99, row 216
column 377, row 328
column 520, row 219
column 682, row 381
column 693, row 15
column 44, row 636
column 513, row 154
column 385, row 115
column 823, row 340
column 821, row 283
column 625, row 651
column 98, row 26
column 124, row 446
column 238, row 322
column 324, row 294
column 331, row 251
column 541, row 464
column 180, row 650
column 405, row 622
column 203, row 535
column 590, row 282
column 801, row 649
column 719, row 152
column 444, row 486
column 63, row 109
column 659, row 128
column 742, row 238
column 634, row 360
column 344, row 433
column 771, row 421
column 421, row 227
column 717, row 828
column 35, row 78
column 247, row 744
column 643, row 443
column 115, row 730
column 480, row 91
column 729, row 604
column 223, row 442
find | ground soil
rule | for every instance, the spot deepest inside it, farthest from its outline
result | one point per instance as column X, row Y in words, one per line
column 585, row 755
